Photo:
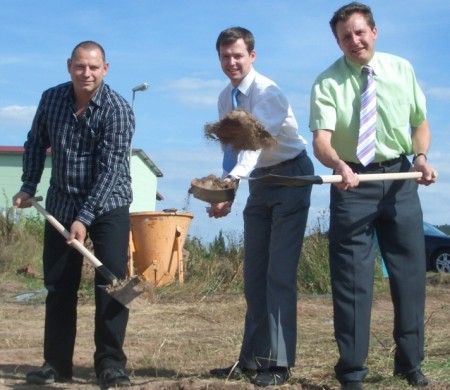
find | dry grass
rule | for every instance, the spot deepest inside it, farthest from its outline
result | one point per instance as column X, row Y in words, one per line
column 174, row 341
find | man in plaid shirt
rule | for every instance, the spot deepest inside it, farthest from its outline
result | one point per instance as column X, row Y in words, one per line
column 88, row 128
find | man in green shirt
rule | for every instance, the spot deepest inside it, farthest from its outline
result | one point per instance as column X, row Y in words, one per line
column 390, row 208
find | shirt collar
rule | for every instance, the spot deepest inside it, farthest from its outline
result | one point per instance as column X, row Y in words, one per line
column 245, row 84
column 97, row 99
column 356, row 68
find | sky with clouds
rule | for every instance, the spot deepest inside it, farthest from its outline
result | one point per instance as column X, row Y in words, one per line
column 170, row 44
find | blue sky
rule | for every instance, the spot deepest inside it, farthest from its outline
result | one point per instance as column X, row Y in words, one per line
column 171, row 46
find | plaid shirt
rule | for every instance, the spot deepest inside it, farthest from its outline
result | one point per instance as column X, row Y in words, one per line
column 90, row 155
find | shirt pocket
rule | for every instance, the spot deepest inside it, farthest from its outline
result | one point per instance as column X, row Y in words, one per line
column 397, row 111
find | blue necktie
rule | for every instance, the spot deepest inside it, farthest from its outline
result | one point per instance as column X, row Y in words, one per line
column 230, row 154
column 234, row 98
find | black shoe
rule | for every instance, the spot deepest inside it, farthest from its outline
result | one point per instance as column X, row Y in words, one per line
column 113, row 377
column 416, row 378
column 352, row 386
column 272, row 377
column 234, row 372
column 45, row 375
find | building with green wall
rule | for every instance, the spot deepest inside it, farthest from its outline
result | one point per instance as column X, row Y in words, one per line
column 144, row 174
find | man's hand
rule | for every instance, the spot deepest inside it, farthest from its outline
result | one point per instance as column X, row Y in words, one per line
column 78, row 232
column 219, row 210
column 22, row 200
column 429, row 175
column 349, row 178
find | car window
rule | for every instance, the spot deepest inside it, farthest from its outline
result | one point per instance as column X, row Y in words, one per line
column 431, row 230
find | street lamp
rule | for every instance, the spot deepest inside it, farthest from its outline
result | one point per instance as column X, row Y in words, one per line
column 138, row 88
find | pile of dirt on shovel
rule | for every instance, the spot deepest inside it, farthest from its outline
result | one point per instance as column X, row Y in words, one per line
column 212, row 182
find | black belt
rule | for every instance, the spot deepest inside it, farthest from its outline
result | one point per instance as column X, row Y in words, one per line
column 375, row 165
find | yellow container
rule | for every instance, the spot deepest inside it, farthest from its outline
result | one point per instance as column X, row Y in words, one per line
column 156, row 246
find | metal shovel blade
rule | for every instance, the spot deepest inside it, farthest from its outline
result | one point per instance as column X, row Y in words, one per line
column 125, row 291
column 212, row 194
column 291, row 181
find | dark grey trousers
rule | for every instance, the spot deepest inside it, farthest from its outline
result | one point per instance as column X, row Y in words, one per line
column 392, row 209
column 275, row 218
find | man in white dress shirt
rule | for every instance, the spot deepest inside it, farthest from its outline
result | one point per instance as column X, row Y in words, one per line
column 275, row 216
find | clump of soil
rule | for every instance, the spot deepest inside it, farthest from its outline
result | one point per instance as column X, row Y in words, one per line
column 212, row 182
column 125, row 291
column 240, row 129
column 28, row 271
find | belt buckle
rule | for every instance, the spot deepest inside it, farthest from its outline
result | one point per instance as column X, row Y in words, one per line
column 385, row 163
column 388, row 163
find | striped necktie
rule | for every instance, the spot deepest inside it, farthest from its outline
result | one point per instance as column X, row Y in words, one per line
column 368, row 120
column 230, row 154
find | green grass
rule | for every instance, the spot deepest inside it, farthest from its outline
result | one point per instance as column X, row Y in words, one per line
column 214, row 268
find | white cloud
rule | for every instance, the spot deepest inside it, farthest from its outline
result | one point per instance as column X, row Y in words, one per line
column 439, row 93
column 10, row 116
column 195, row 91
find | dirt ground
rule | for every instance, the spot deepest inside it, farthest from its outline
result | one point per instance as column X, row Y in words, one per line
column 173, row 343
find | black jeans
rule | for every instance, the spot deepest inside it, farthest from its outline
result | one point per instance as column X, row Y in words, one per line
column 62, row 274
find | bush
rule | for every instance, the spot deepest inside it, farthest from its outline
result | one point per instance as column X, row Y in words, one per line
column 20, row 245
column 218, row 267
column 313, row 274
column 215, row 268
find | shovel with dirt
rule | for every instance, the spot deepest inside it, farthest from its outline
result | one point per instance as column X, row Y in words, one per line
column 121, row 290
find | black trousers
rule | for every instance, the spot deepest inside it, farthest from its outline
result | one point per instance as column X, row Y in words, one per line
column 392, row 210
column 62, row 274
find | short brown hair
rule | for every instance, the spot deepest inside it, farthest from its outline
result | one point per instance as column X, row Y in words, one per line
column 344, row 13
column 89, row 45
column 232, row 34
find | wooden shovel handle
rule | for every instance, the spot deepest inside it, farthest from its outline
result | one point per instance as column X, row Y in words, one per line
column 374, row 176
column 60, row 228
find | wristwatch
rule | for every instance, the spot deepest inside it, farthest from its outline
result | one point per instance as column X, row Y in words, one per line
column 418, row 155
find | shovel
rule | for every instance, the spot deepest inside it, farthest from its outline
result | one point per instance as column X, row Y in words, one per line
column 299, row 181
column 124, row 292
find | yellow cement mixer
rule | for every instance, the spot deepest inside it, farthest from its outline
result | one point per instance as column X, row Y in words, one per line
column 156, row 245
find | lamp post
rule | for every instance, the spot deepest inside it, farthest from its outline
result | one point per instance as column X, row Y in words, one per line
column 138, row 88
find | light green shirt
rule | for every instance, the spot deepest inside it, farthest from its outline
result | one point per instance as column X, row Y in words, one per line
column 336, row 99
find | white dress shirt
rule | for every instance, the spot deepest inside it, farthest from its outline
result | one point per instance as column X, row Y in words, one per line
column 263, row 98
